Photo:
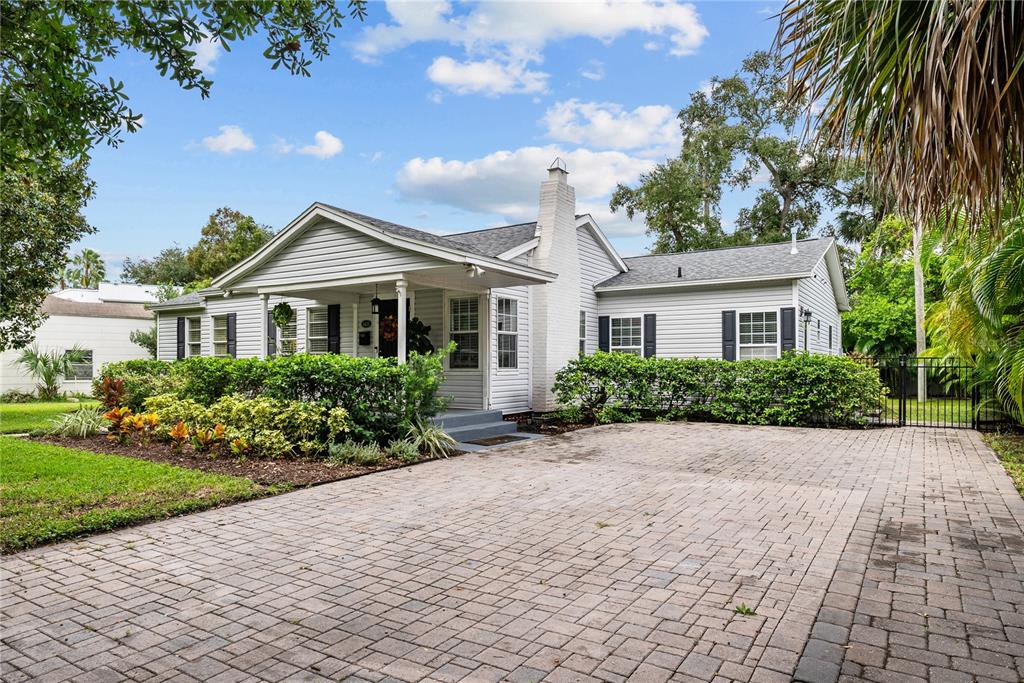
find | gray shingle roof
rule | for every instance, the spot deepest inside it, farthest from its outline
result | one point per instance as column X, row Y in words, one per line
column 757, row 261
column 489, row 242
column 494, row 241
column 190, row 299
column 55, row 305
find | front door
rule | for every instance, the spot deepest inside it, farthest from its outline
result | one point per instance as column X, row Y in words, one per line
column 387, row 329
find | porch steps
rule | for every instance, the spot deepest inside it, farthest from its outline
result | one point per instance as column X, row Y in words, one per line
column 471, row 425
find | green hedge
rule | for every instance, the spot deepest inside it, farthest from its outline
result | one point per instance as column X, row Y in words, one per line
column 382, row 398
column 797, row 389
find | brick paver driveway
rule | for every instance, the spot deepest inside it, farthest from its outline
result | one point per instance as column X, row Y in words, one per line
column 613, row 553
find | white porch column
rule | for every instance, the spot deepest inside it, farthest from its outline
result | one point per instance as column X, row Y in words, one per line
column 263, row 325
column 400, row 289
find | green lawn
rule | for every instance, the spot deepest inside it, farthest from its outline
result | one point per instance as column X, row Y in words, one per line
column 16, row 418
column 49, row 493
column 933, row 411
column 1010, row 449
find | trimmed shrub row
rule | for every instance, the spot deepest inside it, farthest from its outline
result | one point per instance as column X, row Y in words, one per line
column 797, row 389
column 382, row 399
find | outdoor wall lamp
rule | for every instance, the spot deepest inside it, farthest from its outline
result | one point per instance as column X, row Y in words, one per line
column 375, row 302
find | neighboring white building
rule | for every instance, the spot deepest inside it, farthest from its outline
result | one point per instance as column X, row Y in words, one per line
column 520, row 300
column 96, row 320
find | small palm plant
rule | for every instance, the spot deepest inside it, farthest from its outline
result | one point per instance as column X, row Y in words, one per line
column 48, row 368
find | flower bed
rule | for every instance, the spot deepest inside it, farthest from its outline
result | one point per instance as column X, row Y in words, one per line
column 797, row 389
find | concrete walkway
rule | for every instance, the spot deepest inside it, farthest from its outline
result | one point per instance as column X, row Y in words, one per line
column 614, row 553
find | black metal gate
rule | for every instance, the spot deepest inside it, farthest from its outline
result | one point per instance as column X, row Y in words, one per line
column 935, row 392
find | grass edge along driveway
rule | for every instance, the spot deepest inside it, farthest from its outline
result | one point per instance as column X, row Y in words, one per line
column 50, row 493
column 24, row 417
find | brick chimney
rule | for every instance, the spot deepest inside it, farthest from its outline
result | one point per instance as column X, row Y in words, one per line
column 555, row 306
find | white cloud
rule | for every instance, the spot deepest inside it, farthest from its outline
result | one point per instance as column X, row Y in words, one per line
column 593, row 71
column 373, row 158
column 608, row 125
column 514, row 26
column 506, row 182
column 282, row 146
column 652, row 45
column 207, row 52
column 231, row 139
column 324, row 146
column 436, row 96
column 488, row 77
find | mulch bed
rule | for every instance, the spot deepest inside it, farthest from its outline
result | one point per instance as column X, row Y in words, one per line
column 296, row 472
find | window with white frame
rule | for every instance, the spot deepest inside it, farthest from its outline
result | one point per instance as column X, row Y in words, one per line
column 759, row 334
column 626, row 335
column 507, row 321
column 81, row 367
column 316, row 331
column 195, row 336
column 290, row 336
column 463, row 329
column 583, row 333
column 220, row 335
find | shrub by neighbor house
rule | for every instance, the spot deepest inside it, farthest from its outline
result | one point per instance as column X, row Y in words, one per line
column 301, row 402
column 797, row 389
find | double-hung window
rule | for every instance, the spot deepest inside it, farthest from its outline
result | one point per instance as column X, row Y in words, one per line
column 759, row 334
column 583, row 333
column 290, row 336
column 81, row 368
column 195, row 336
column 507, row 321
column 627, row 335
column 220, row 336
column 316, row 331
column 463, row 329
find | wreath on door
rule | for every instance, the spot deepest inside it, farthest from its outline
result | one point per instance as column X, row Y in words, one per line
column 389, row 328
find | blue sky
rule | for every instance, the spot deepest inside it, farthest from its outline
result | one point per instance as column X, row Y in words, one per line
column 433, row 115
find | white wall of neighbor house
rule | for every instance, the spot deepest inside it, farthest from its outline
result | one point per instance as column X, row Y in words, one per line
column 328, row 250
column 689, row 321
column 595, row 267
column 817, row 294
column 107, row 338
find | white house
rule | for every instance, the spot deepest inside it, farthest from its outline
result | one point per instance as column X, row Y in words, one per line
column 520, row 301
column 99, row 321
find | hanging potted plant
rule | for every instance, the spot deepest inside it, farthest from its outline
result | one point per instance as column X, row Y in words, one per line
column 282, row 314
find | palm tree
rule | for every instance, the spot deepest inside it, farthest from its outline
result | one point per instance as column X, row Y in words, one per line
column 930, row 95
column 90, row 268
column 48, row 368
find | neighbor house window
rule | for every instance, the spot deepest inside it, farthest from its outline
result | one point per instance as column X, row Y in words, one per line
column 759, row 334
column 583, row 333
column 508, row 329
column 220, row 336
column 290, row 336
column 82, row 369
column 626, row 335
column 463, row 322
column 316, row 330
column 195, row 336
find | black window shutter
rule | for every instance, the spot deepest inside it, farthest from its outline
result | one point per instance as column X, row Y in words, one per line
column 334, row 328
column 181, row 338
column 650, row 335
column 271, row 335
column 830, row 339
column 604, row 333
column 729, row 335
column 232, row 334
column 788, row 329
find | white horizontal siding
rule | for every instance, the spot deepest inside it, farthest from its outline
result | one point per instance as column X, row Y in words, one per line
column 595, row 266
column 107, row 338
column 816, row 294
column 689, row 322
column 327, row 251
column 510, row 387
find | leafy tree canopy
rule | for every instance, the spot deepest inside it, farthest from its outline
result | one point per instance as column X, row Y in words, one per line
column 56, row 106
column 169, row 267
column 40, row 218
column 739, row 133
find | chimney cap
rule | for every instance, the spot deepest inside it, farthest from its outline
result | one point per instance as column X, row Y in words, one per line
column 558, row 165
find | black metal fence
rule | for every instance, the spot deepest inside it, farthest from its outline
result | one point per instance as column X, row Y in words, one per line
column 935, row 392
